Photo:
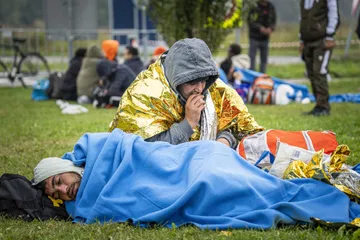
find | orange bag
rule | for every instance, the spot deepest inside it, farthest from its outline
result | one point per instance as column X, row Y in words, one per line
column 262, row 90
column 252, row 148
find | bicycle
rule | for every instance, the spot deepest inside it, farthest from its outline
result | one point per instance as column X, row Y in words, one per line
column 31, row 64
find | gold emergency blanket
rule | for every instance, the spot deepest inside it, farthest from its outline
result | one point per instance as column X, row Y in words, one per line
column 354, row 224
column 333, row 171
column 149, row 106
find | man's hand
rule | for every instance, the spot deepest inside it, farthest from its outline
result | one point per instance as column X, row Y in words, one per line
column 269, row 31
column 263, row 30
column 329, row 44
column 266, row 31
column 301, row 48
column 224, row 141
column 193, row 107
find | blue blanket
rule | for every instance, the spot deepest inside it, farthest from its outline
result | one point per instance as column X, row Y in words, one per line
column 204, row 183
column 338, row 98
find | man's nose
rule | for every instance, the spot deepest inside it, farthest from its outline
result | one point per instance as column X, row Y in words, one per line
column 200, row 86
column 62, row 189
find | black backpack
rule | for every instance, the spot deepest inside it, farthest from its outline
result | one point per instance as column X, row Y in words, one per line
column 56, row 81
column 19, row 199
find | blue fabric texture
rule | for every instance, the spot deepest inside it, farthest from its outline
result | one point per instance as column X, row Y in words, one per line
column 222, row 76
column 203, row 183
column 338, row 98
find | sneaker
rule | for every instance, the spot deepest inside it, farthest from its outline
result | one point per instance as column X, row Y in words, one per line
column 320, row 111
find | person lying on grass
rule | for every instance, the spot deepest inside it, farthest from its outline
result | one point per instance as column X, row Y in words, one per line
column 58, row 178
column 119, row 177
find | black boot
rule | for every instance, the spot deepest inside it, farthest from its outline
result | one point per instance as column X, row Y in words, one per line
column 320, row 111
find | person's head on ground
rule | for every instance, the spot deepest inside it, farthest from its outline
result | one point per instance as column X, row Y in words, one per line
column 110, row 49
column 130, row 52
column 59, row 178
column 189, row 67
column 80, row 52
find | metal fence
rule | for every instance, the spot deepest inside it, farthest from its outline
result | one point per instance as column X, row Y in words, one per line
column 55, row 45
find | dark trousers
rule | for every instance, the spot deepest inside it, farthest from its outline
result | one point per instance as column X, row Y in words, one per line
column 317, row 59
column 263, row 45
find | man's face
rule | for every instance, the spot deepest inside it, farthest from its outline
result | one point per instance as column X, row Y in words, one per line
column 63, row 186
column 190, row 88
column 127, row 55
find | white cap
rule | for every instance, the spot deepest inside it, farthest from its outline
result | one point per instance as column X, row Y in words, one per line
column 52, row 166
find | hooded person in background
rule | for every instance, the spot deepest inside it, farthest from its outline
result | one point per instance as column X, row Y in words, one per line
column 110, row 49
column 233, row 61
column 179, row 99
column 68, row 88
column 114, row 80
column 156, row 54
column 88, row 78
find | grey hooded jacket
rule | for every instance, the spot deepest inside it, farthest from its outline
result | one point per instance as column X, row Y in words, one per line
column 187, row 60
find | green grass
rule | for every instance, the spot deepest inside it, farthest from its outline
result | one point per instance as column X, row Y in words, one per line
column 344, row 67
column 61, row 230
column 32, row 130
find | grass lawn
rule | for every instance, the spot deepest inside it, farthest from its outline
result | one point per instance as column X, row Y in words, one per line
column 343, row 67
column 32, row 130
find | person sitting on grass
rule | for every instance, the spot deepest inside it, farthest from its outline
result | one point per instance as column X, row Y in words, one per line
column 119, row 177
column 114, row 80
column 68, row 88
column 180, row 98
column 87, row 78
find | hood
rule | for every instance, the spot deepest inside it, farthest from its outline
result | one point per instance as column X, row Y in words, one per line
column 187, row 60
column 94, row 52
column 110, row 48
column 105, row 68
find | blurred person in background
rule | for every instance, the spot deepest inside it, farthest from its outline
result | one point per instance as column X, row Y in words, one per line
column 88, row 78
column 262, row 21
column 132, row 60
column 110, row 49
column 68, row 88
column 156, row 54
column 234, row 62
column 319, row 22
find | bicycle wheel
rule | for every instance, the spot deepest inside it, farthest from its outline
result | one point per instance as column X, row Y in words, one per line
column 34, row 65
column 3, row 70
